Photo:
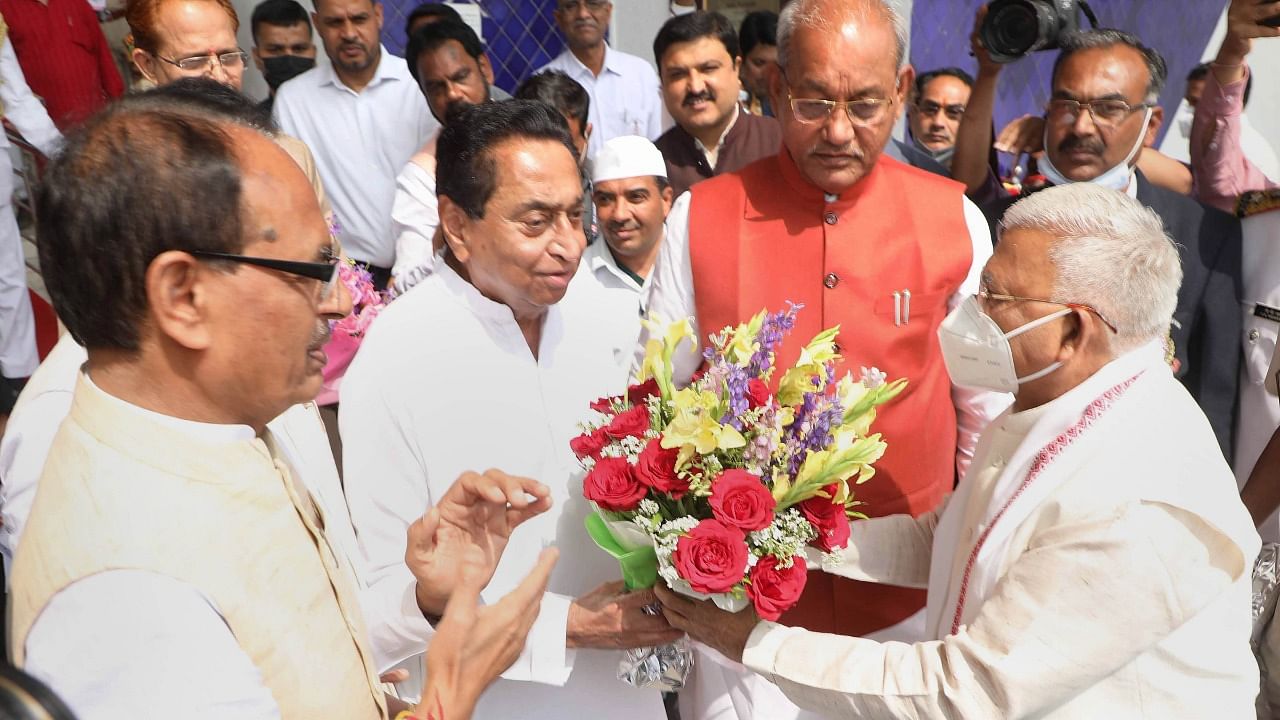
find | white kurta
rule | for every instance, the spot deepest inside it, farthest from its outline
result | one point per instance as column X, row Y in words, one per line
column 445, row 383
column 1112, row 581
column 98, row 631
column 415, row 215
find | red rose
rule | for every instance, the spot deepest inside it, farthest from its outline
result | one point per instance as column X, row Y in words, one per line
column 829, row 519
column 774, row 590
column 589, row 445
column 603, row 405
column 612, row 485
column 629, row 422
column 741, row 499
column 656, row 467
column 758, row 393
column 638, row 394
column 712, row 557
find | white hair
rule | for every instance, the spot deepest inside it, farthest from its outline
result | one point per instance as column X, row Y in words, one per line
column 818, row 15
column 1109, row 252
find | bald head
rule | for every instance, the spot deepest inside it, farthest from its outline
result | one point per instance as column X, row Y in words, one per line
column 836, row 16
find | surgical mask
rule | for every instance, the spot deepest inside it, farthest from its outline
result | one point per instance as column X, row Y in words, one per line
column 942, row 156
column 1116, row 178
column 281, row 68
column 977, row 352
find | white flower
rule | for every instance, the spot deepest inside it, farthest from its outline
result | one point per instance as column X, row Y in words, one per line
column 872, row 377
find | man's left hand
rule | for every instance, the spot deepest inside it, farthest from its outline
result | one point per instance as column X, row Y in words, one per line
column 469, row 525
column 701, row 620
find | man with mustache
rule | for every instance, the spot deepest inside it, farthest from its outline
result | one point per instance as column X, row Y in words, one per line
column 625, row 99
column 698, row 63
column 1102, row 115
column 934, row 113
column 449, row 64
column 834, row 224
column 364, row 117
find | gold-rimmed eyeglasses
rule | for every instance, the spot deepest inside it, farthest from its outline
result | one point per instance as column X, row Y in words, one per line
column 985, row 296
column 1105, row 113
column 862, row 112
column 234, row 60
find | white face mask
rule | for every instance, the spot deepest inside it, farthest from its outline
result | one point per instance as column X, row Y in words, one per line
column 1116, row 178
column 977, row 352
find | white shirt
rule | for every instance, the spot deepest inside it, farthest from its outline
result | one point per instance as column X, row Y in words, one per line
column 361, row 141
column 415, row 215
column 601, row 282
column 672, row 298
column 22, row 108
column 626, row 98
column 445, row 383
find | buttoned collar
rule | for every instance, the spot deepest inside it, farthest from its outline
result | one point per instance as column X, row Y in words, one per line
column 809, row 193
column 611, row 64
column 600, row 259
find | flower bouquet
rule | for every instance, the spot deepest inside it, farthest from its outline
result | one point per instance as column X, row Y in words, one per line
column 344, row 340
column 722, row 488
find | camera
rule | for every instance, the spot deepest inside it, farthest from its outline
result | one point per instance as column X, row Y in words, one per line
column 1015, row 28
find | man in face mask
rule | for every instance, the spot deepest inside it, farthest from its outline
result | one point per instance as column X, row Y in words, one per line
column 1102, row 113
column 1097, row 536
column 282, row 45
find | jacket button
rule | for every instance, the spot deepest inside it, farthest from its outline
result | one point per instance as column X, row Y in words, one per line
column 831, row 280
column 829, row 218
column 1253, row 334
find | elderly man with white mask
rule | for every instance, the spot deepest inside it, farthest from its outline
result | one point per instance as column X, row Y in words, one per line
column 1095, row 561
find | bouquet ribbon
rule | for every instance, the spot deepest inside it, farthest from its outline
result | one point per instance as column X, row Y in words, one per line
column 639, row 565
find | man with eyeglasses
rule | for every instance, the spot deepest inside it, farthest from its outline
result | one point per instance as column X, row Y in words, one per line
column 1096, row 560
column 625, row 98
column 934, row 113
column 176, row 555
column 363, row 116
column 1102, row 114
column 862, row 241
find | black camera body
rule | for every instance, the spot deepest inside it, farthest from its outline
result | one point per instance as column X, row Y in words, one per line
column 1016, row 28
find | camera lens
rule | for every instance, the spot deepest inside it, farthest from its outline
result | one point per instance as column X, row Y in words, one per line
column 1015, row 29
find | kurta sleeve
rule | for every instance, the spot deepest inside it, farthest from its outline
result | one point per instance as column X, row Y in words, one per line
column 415, row 215
column 975, row 409
column 21, row 107
column 1082, row 602
column 894, row 550
column 386, row 487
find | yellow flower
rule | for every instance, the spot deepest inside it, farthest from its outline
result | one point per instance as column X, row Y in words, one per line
column 813, row 357
column 696, row 425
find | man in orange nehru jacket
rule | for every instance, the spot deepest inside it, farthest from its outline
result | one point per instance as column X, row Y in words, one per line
column 862, row 241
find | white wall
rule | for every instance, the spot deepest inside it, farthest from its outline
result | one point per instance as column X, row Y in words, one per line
column 1264, row 63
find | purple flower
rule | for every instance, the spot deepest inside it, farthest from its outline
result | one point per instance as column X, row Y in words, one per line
column 772, row 331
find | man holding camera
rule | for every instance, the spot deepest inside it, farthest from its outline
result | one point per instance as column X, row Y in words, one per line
column 1102, row 114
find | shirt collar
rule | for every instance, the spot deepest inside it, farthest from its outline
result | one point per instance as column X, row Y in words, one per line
column 600, row 259
column 384, row 72
column 211, row 433
column 733, row 122
column 610, row 62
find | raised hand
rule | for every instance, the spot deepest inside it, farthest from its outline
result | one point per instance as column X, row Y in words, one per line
column 477, row 513
column 610, row 617
column 1023, row 135
column 474, row 644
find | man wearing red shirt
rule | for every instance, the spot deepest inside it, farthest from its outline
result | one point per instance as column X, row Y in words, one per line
column 64, row 56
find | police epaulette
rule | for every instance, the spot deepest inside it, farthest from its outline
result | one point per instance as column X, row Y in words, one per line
column 1255, row 202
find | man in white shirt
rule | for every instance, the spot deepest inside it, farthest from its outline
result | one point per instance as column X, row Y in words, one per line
column 482, row 364
column 1095, row 561
column 363, row 117
column 448, row 62
column 632, row 198
column 120, row 601
column 625, row 96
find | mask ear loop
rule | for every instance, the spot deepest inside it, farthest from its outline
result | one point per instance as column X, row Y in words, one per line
column 1037, row 323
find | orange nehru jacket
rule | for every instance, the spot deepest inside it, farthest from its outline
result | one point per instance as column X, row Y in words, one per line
column 764, row 235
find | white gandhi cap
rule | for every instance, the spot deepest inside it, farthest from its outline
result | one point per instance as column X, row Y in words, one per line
column 627, row 156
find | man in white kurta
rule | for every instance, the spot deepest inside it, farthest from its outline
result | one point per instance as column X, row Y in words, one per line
column 1095, row 562
column 480, row 366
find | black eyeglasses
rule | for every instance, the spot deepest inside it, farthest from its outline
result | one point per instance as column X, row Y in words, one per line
column 325, row 272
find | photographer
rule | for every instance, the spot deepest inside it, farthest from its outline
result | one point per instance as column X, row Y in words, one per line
column 1100, row 122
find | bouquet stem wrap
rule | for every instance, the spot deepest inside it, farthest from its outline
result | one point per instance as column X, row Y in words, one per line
column 658, row 668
